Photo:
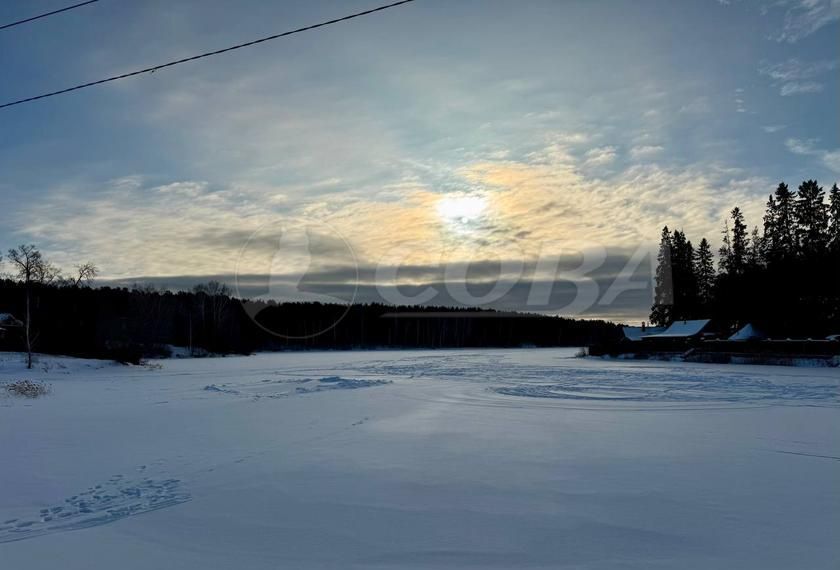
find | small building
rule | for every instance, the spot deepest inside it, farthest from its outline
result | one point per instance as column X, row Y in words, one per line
column 7, row 324
column 683, row 330
column 635, row 334
column 748, row 332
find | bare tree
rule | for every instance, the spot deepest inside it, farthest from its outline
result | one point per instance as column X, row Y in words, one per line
column 31, row 269
column 218, row 295
column 85, row 274
column 213, row 288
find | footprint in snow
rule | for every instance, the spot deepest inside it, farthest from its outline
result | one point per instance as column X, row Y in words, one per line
column 101, row 504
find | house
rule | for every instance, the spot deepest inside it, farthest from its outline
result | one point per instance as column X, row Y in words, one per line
column 7, row 323
column 682, row 330
column 9, row 320
column 636, row 334
column 748, row 332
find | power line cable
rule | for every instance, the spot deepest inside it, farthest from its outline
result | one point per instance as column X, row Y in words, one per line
column 47, row 14
column 206, row 54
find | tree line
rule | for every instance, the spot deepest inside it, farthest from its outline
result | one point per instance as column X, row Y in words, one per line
column 32, row 271
column 65, row 314
column 783, row 276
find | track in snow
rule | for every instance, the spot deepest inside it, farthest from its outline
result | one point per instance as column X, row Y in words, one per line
column 101, row 504
column 282, row 388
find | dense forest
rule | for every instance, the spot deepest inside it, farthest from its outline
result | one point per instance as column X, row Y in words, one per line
column 783, row 276
column 69, row 316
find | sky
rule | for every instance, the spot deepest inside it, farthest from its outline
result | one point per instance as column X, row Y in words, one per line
column 442, row 152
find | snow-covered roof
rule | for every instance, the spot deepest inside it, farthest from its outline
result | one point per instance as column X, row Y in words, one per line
column 747, row 332
column 683, row 329
column 637, row 333
column 9, row 320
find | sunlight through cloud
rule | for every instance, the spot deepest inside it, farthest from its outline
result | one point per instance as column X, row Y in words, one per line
column 461, row 209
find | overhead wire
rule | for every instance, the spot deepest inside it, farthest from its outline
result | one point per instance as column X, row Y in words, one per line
column 207, row 54
column 46, row 14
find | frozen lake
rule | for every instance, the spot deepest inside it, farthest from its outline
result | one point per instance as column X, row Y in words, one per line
column 420, row 459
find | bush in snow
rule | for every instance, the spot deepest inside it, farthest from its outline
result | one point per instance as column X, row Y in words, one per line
column 27, row 388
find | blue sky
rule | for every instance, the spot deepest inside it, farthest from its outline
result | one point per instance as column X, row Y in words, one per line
column 563, row 121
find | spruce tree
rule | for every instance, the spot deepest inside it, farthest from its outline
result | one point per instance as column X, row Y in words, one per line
column 684, row 280
column 725, row 251
column 780, row 224
column 661, row 312
column 811, row 219
column 770, row 214
column 690, row 294
column 755, row 255
column 834, row 213
column 704, row 270
column 740, row 245
column 770, row 222
column 786, row 280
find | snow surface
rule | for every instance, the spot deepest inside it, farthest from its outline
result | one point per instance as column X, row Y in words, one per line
column 417, row 459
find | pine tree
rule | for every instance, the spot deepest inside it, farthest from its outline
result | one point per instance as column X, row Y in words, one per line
column 811, row 219
column 661, row 312
column 704, row 270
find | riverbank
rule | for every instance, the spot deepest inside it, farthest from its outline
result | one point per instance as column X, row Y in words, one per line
column 814, row 353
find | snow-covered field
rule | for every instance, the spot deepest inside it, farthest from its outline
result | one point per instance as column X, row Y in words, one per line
column 447, row 459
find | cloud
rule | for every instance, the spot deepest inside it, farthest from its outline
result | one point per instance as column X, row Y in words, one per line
column 571, row 138
column 600, row 156
column 184, row 231
column 697, row 106
column 804, row 17
column 796, row 88
column 797, row 77
column 832, row 160
column 515, row 292
column 645, row 151
column 802, row 147
column 829, row 158
column 773, row 128
column 795, row 69
column 131, row 227
column 644, row 196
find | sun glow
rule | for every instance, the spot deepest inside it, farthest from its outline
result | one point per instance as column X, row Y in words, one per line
column 461, row 209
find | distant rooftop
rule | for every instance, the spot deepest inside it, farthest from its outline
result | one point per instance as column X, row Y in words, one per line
column 683, row 329
column 9, row 320
column 747, row 332
column 637, row 333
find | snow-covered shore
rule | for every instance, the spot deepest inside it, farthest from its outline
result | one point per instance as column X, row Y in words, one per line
column 420, row 459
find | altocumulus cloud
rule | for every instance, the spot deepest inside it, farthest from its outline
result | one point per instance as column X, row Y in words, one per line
column 543, row 204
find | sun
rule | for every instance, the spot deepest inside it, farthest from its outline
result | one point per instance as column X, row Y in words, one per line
column 461, row 209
